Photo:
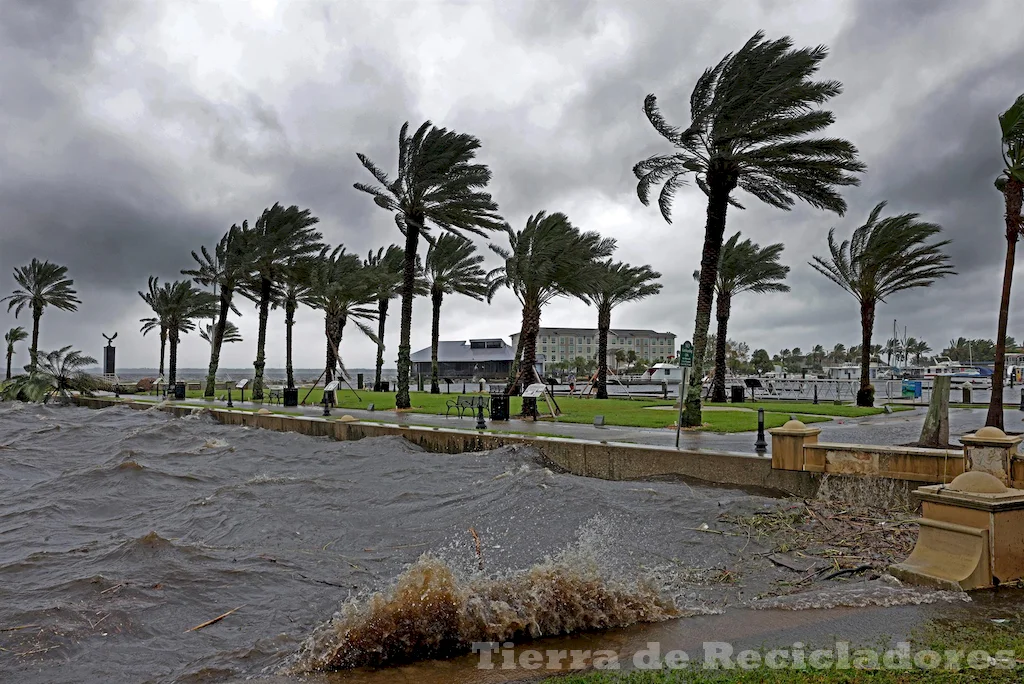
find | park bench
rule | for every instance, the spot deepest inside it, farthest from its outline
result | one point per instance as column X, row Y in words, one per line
column 276, row 394
column 467, row 403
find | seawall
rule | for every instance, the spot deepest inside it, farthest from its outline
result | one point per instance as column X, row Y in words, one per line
column 605, row 460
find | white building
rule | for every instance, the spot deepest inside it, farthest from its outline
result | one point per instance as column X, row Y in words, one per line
column 565, row 344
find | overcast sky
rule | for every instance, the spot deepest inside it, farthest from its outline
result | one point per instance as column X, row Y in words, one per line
column 135, row 132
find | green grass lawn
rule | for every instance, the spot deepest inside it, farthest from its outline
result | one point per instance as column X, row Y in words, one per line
column 620, row 412
column 808, row 408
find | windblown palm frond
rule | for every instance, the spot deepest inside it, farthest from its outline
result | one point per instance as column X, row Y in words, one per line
column 56, row 373
column 231, row 333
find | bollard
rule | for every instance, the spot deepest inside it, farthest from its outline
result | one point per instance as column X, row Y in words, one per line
column 965, row 390
column 117, row 391
column 230, row 405
column 815, row 394
column 480, row 424
column 1022, row 398
column 664, row 390
column 327, row 406
column 760, row 446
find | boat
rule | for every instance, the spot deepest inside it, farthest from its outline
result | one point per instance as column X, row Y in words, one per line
column 975, row 376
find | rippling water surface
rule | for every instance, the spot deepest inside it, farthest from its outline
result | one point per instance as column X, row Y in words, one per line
column 120, row 530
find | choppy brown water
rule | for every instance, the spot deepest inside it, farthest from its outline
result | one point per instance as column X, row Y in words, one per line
column 120, row 530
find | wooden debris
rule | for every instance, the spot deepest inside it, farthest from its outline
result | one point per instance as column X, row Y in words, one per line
column 214, row 620
column 479, row 553
column 18, row 628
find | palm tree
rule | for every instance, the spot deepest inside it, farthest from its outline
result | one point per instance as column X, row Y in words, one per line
column 386, row 268
column 156, row 298
column 616, row 283
column 279, row 236
column 838, row 353
column 42, row 284
column 12, row 336
column 294, row 289
column 884, row 256
column 340, row 286
column 56, row 373
column 185, row 304
column 1011, row 184
column 751, row 116
column 548, row 258
column 231, row 333
column 437, row 183
column 742, row 267
column 452, row 267
column 225, row 270
column 918, row 348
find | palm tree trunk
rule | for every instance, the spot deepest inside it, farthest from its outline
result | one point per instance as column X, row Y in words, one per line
column 722, row 313
column 163, row 349
column 513, row 371
column 412, row 234
column 604, row 324
column 33, row 354
column 382, row 309
column 289, row 323
column 866, row 395
column 10, row 354
column 531, row 327
column 330, row 326
column 1012, row 196
column 218, row 341
column 720, row 183
column 435, row 332
column 261, row 341
column 172, row 366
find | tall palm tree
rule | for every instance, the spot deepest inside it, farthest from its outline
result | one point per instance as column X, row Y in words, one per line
column 386, row 268
column 742, row 267
column 231, row 333
column 751, row 118
column 616, row 283
column 1011, row 184
column 452, row 267
column 225, row 270
column 917, row 348
column 548, row 258
column 185, row 304
column 838, row 353
column 42, row 284
column 437, row 185
column 279, row 236
column 156, row 298
column 56, row 373
column 293, row 290
column 11, row 337
column 340, row 286
column 884, row 256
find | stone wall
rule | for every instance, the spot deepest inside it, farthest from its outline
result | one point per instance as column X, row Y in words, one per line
column 914, row 464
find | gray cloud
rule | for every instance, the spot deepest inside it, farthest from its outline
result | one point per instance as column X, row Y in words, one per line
column 133, row 134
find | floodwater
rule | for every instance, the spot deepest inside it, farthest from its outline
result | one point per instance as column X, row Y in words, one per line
column 121, row 531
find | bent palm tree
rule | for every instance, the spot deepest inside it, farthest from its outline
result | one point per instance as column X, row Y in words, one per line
column 56, row 373
column 548, row 258
column 452, row 267
column 231, row 333
column 751, row 116
column 42, row 284
column 225, row 270
column 339, row 286
column 884, row 256
column 386, row 270
column 1011, row 184
column 11, row 337
column 437, row 183
column 293, row 290
column 742, row 267
column 279, row 236
column 156, row 298
column 614, row 284
column 185, row 305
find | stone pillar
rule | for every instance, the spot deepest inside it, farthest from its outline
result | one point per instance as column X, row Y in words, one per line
column 990, row 450
column 788, row 444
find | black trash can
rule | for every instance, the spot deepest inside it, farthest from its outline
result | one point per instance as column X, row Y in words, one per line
column 383, row 386
column 738, row 394
column 179, row 390
column 530, row 407
column 291, row 396
column 499, row 407
column 359, row 381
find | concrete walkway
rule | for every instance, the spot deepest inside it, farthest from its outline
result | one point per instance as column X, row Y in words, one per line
column 901, row 427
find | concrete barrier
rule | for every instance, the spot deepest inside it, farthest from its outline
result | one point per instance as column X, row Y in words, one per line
column 914, row 464
column 605, row 460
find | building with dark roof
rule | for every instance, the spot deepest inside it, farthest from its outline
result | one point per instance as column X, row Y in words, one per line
column 462, row 360
column 565, row 344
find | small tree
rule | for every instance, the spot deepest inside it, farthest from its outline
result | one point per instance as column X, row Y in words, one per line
column 12, row 337
column 56, row 373
column 42, row 284
column 884, row 256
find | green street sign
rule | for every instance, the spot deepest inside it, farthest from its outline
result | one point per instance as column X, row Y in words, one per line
column 686, row 355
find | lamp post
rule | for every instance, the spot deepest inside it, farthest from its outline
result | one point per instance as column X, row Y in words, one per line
column 760, row 446
column 480, row 424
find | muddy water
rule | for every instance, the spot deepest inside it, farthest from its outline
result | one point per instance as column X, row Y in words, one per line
column 122, row 530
